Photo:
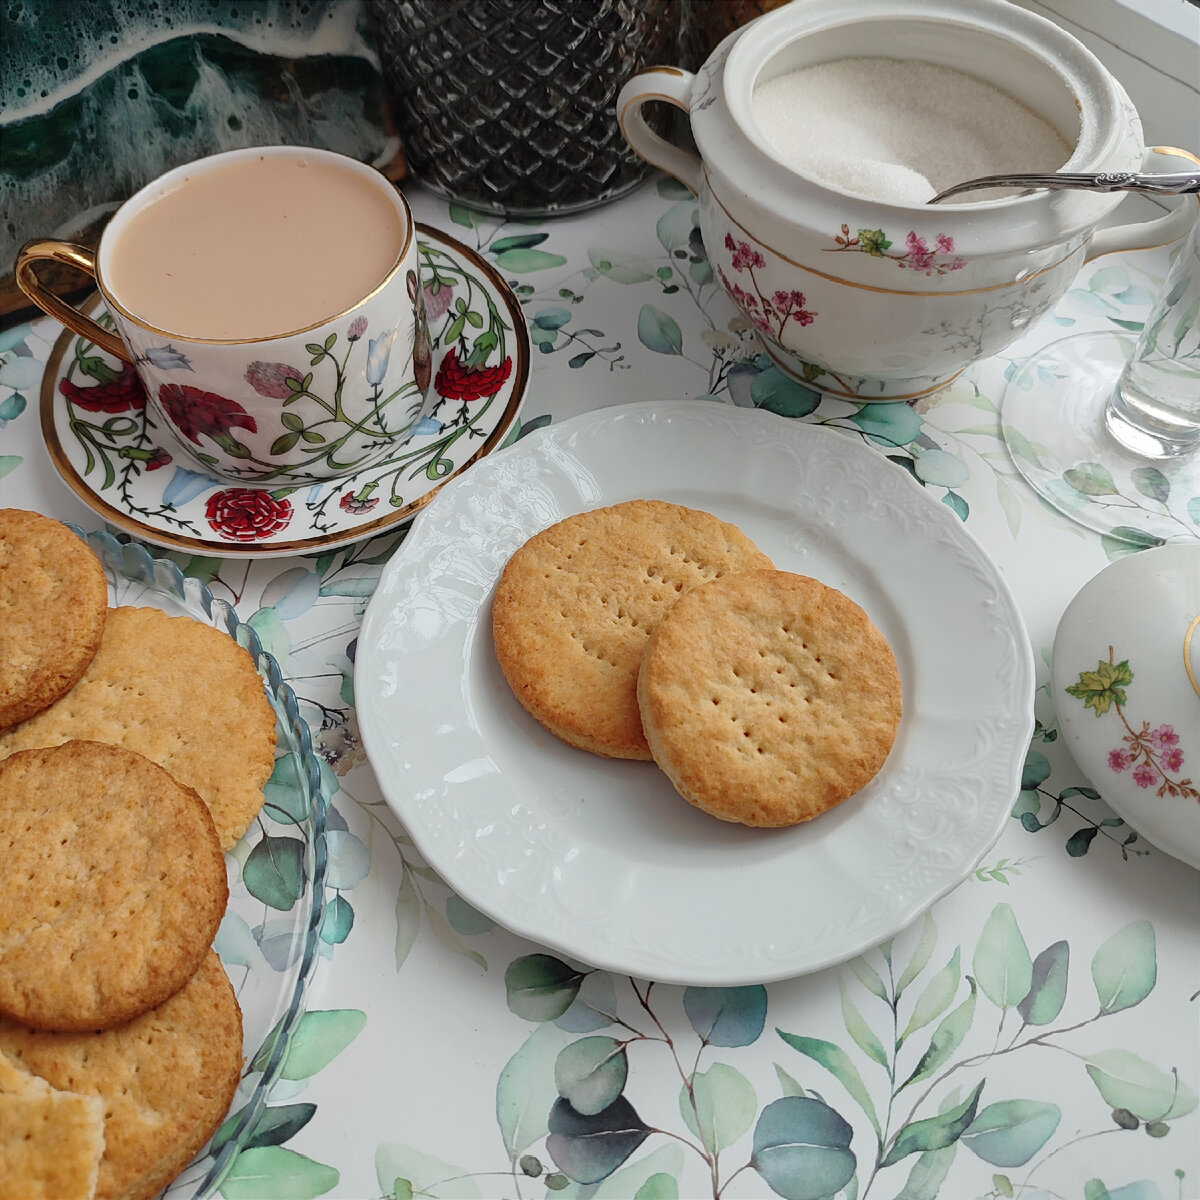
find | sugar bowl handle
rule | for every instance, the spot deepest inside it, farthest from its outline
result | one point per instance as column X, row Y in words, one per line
column 82, row 259
column 1147, row 235
column 675, row 87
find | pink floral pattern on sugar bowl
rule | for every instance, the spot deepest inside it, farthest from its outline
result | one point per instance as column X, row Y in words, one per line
column 1154, row 757
column 917, row 256
column 768, row 312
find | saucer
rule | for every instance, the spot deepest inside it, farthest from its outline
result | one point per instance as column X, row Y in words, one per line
column 104, row 443
column 1126, row 677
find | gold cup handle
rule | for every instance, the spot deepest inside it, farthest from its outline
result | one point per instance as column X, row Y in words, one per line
column 84, row 260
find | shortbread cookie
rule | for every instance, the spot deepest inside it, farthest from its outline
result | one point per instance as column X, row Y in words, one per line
column 51, row 1142
column 166, row 1078
column 577, row 601
column 768, row 698
column 116, row 885
column 183, row 694
column 53, row 601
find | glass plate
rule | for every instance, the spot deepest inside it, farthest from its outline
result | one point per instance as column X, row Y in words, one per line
column 269, row 951
column 601, row 859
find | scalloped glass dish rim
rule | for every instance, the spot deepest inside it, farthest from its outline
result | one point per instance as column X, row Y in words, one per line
column 465, row 768
column 135, row 564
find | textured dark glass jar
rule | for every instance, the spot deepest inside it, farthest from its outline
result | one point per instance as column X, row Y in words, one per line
column 509, row 105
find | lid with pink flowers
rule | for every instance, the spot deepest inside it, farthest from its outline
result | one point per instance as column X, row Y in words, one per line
column 1126, row 686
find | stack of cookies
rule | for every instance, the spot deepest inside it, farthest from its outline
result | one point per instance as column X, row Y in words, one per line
column 134, row 748
column 652, row 631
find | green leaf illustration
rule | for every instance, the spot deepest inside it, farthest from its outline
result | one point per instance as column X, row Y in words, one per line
column 802, row 1148
column 839, row 1064
column 869, row 977
column 934, row 1133
column 621, row 267
column 779, row 393
column 518, row 241
column 589, row 1147
column 675, row 226
column 1011, row 1132
column 727, row 1016
column 275, row 1125
column 421, row 1174
column 947, row 1038
column 521, row 261
column 1129, row 1082
column 658, row 331
column 1091, row 479
column 886, row 425
column 863, row 1035
column 724, row 1106
column 1152, row 483
column 408, row 917
column 936, row 996
column 873, row 242
column 284, row 796
column 920, row 956
column 540, row 987
column 1125, row 968
column 1048, row 991
column 1102, row 688
column 1002, row 966
column 319, row 1038
column 591, row 1073
column 337, row 921
column 928, row 1173
column 526, row 1090
column 277, row 1173
column 274, row 872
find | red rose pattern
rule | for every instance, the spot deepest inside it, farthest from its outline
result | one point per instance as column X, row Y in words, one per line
column 247, row 514
column 462, row 381
column 195, row 411
column 118, row 396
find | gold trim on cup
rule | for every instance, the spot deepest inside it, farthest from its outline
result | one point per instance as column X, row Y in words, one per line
column 1187, row 653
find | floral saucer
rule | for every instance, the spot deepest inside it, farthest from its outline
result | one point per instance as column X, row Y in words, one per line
column 1126, row 677
column 104, row 441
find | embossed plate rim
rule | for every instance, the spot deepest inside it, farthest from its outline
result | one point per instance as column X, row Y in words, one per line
column 599, row 859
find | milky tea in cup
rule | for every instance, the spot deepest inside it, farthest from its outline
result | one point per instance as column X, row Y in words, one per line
column 270, row 301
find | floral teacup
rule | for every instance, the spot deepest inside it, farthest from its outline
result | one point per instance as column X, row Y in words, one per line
column 314, row 403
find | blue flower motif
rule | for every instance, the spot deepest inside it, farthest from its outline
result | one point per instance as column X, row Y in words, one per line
column 167, row 358
column 186, row 485
column 379, row 350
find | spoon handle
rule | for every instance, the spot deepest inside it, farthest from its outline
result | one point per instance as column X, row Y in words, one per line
column 1167, row 184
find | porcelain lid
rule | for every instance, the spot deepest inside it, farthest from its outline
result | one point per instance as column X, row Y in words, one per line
column 1125, row 675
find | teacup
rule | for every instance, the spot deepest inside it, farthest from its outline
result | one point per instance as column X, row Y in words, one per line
column 270, row 300
column 874, row 299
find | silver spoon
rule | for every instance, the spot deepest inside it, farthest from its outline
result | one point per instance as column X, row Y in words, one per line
column 1169, row 184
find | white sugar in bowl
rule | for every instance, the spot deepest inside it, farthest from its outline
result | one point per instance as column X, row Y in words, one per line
column 1125, row 676
column 876, row 296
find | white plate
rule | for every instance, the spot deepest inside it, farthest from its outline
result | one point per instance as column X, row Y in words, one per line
column 601, row 859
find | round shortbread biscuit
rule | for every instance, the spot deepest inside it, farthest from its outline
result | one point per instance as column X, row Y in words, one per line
column 116, row 885
column 768, row 698
column 167, row 1079
column 576, row 603
column 53, row 602
column 183, row 694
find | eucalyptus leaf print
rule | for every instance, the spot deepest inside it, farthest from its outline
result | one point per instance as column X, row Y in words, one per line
column 970, row 1034
column 1038, row 808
